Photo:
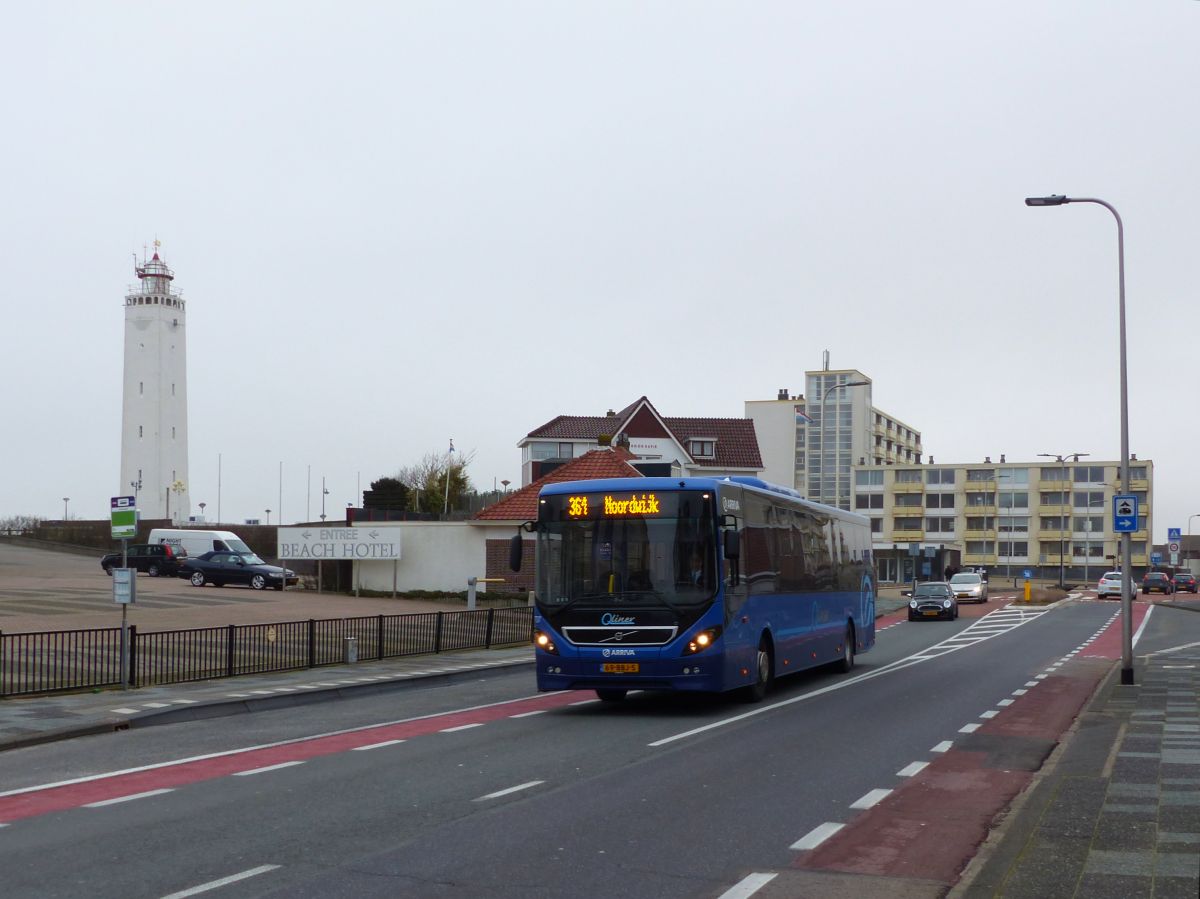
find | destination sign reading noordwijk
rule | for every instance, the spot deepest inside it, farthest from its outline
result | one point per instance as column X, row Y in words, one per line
column 366, row 543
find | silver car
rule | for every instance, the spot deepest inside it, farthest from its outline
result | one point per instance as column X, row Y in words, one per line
column 1110, row 585
column 969, row 586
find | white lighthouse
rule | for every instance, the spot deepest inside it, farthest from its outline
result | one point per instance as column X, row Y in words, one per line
column 154, row 439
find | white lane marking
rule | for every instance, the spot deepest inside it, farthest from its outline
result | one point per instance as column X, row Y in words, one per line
column 890, row 668
column 454, row 730
column 1031, row 683
column 747, row 886
column 186, row 701
column 817, row 836
column 1145, row 621
column 262, row 692
column 266, row 768
column 155, row 705
column 990, row 713
column 376, row 745
column 529, row 714
column 969, row 728
column 1006, row 702
column 224, row 881
column 912, row 769
column 125, row 711
column 518, row 788
column 943, row 746
column 1159, row 652
column 103, row 802
column 1020, row 692
column 1040, row 676
column 870, row 800
column 584, row 702
column 295, row 740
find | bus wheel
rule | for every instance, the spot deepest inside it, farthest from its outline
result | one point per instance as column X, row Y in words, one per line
column 611, row 695
column 764, row 673
column 847, row 662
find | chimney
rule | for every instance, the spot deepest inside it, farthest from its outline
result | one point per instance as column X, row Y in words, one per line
column 612, row 413
column 1133, row 457
column 931, row 460
column 1002, row 458
column 987, row 460
column 783, row 394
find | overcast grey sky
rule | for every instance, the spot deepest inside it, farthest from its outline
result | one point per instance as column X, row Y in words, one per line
column 397, row 223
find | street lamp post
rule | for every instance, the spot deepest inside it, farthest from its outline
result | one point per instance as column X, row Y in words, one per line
column 1065, row 519
column 821, row 439
column 1126, row 540
column 446, row 499
column 324, row 493
column 268, row 511
column 67, row 499
column 202, row 505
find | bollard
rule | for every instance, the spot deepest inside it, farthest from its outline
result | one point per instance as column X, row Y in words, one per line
column 1028, row 591
column 350, row 650
column 471, row 583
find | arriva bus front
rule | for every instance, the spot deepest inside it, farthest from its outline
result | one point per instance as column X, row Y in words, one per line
column 696, row 584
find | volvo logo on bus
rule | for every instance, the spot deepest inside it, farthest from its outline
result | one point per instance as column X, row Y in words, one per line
column 614, row 620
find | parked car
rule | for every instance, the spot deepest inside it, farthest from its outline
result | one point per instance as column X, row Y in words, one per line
column 1157, row 582
column 1110, row 585
column 970, row 586
column 221, row 567
column 1184, row 581
column 932, row 599
column 153, row 560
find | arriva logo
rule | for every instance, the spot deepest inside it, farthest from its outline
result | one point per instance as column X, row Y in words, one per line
column 610, row 618
column 609, row 653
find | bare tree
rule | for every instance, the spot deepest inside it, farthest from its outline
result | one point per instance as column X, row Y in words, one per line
column 427, row 479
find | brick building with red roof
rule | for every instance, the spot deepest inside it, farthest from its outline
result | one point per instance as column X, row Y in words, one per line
column 661, row 446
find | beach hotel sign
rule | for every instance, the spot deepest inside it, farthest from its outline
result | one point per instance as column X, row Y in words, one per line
column 339, row 543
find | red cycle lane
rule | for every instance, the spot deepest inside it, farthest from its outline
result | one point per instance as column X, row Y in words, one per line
column 930, row 827
column 42, row 800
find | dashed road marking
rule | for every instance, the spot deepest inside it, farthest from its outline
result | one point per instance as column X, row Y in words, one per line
column 516, row 789
column 103, row 802
column 747, row 886
column 265, row 769
column 817, row 836
column 224, row 881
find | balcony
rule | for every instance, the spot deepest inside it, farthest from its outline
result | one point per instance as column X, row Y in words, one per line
column 907, row 536
column 908, row 487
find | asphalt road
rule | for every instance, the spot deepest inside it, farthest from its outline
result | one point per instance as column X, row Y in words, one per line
column 487, row 788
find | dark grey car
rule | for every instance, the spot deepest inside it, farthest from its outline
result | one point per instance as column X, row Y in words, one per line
column 932, row 599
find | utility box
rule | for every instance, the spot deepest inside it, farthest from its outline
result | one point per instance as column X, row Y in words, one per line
column 350, row 650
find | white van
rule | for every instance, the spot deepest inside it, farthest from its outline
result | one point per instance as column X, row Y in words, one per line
column 194, row 541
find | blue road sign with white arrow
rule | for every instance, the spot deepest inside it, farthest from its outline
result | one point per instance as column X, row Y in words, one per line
column 1125, row 514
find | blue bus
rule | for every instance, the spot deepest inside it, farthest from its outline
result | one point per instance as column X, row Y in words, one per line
column 699, row 584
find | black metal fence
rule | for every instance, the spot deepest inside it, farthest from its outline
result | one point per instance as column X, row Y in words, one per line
column 54, row 661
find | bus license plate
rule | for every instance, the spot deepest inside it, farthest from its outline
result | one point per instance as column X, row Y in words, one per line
column 619, row 667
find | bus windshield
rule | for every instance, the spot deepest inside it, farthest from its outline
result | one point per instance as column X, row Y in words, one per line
column 644, row 550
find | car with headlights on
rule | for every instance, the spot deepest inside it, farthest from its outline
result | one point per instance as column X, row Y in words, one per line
column 932, row 599
column 969, row 586
column 1109, row 585
column 1157, row 582
column 221, row 567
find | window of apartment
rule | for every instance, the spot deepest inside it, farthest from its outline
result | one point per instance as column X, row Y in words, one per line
column 703, row 449
column 868, row 478
column 908, row 476
column 939, row 476
column 879, row 460
column 878, row 440
column 980, row 522
column 906, row 500
column 1053, row 522
column 1014, row 548
column 1137, row 472
column 1052, row 498
column 1014, row 499
column 1092, row 523
column 939, row 525
column 876, row 525
column 539, row 451
column 1089, row 474
column 939, row 501
column 1053, row 474
column 1012, row 477
column 1088, row 550
column 1051, row 549
column 981, row 498
column 1013, row 525
column 981, row 474
column 1089, row 499
column 906, row 524
column 981, row 547
column 868, row 500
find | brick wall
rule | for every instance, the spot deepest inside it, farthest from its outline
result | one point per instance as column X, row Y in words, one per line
column 497, row 566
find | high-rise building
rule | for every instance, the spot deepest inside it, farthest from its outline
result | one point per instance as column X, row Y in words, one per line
column 855, row 434
column 154, row 454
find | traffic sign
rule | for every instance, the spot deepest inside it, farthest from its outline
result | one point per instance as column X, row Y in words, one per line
column 1174, row 533
column 1028, row 573
column 124, row 517
column 1155, row 558
column 1125, row 513
column 1172, row 547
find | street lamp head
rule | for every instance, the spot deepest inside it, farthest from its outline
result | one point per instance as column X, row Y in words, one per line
column 856, row 384
column 1052, row 200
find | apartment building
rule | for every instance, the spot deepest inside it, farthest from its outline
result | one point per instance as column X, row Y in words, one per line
column 798, row 452
column 1051, row 518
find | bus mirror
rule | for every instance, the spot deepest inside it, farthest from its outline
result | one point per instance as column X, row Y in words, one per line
column 515, row 547
column 732, row 544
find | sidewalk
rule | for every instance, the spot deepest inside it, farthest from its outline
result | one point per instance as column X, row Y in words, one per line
column 44, row 719
column 1116, row 810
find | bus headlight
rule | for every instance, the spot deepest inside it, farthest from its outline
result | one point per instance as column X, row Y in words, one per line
column 701, row 640
column 543, row 642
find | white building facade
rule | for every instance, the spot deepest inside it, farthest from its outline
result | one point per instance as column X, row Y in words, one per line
column 154, row 439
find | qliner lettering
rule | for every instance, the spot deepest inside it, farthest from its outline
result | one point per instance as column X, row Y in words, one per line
column 646, row 505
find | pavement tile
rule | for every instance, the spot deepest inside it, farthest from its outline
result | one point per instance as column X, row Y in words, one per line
column 1176, row 864
column 1109, row 886
column 1118, row 833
